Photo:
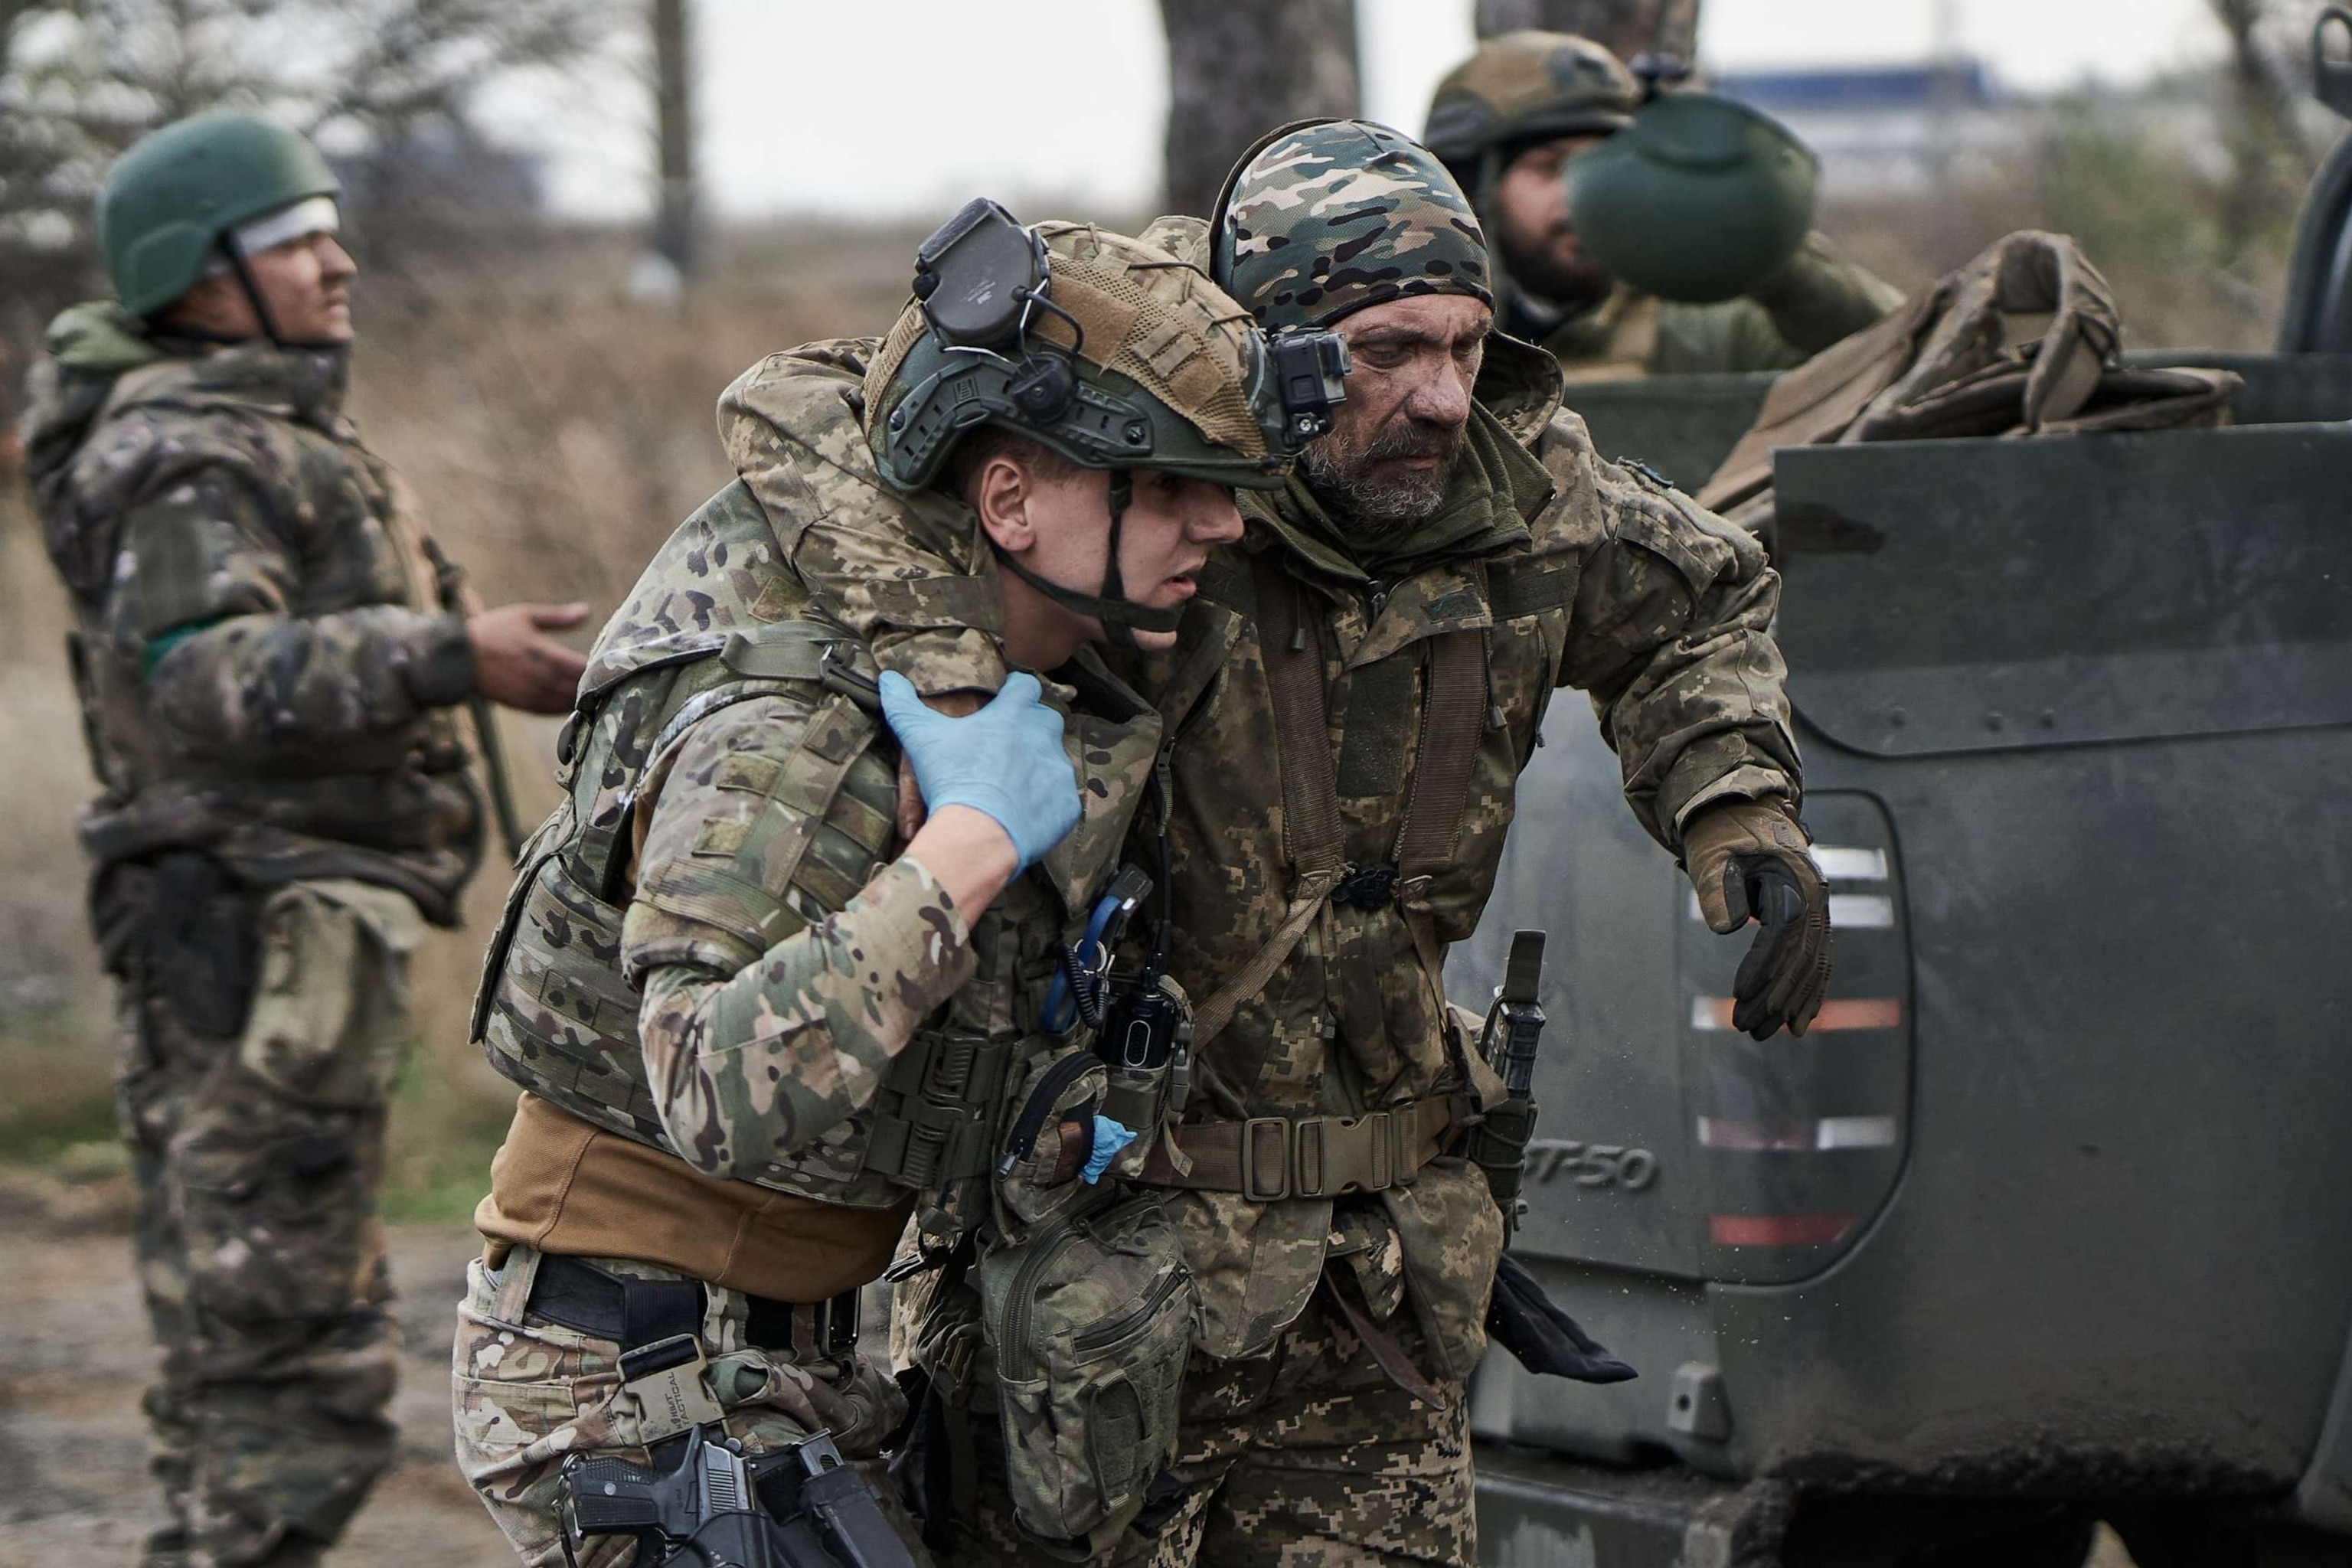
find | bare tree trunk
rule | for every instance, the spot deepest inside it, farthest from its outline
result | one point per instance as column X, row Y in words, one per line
column 2260, row 131
column 1627, row 28
column 1236, row 71
column 674, row 224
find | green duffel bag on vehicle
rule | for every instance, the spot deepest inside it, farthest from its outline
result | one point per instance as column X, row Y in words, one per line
column 1089, row 1323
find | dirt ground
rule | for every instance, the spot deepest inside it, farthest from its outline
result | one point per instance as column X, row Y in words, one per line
column 74, row 1356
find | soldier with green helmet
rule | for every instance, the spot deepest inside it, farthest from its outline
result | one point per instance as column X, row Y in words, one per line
column 1365, row 675
column 1507, row 122
column 266, row 644
column 762, row 1017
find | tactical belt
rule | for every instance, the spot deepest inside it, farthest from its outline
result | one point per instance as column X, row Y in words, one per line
column 633, row 1313
column 1268, row 1158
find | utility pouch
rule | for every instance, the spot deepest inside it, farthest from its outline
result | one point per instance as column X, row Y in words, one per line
column 1045, row 1142
column 1146, row 1047
column 192, row 930
column 1090, row 1325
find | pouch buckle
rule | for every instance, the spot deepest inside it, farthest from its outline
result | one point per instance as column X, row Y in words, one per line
column 665, row 1379
column 1252, row 1188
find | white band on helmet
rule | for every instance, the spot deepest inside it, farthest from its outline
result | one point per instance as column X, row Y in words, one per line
column 312, row 215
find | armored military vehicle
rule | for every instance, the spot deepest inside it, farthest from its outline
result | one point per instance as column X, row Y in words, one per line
column 2049, row 1219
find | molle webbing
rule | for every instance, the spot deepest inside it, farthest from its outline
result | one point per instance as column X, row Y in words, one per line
column 1269, row 1158
column 938, row 1107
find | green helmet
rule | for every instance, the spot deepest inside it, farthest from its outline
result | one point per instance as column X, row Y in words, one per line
column 1524, row 86
column 1700, row 200
column 1107, row 351
column 169, row 199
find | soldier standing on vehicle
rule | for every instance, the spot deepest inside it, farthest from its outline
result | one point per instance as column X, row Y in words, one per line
column 1364, row 677
column 1505, row 122
column 265, row 673
column 757, row 1022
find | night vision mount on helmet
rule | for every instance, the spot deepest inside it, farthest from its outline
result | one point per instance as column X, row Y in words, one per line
column 1114, row 374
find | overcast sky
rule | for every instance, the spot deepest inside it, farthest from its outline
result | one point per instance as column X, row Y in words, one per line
column 907, row 106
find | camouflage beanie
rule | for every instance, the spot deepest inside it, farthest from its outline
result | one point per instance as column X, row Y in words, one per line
column 1327, row 216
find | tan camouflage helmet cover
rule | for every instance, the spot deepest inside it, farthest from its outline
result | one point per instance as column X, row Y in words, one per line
column 1526, row 85
column 1327, row 216
column 1157, row 336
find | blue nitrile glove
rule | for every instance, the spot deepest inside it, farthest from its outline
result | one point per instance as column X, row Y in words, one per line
column 1110, row 1137
column 1005, row 760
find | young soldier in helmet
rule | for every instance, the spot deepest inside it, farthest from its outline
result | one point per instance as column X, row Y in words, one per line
column 267, row 669
column 754, row 1026
column 1366, row 672
column 1505, row 122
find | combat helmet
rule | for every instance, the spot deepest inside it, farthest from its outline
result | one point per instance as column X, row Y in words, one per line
column 1522, row 87
column 1110, row 353
column 174, row 206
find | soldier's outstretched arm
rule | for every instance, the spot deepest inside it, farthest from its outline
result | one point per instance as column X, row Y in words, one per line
column 905, row 574
column 1820, row 296
column 201, row 601
column 1671, row 638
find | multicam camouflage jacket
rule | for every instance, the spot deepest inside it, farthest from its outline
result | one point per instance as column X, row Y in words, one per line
column 263, row 670
column 1566, row 570
column 1819, row 298
column 714, row 946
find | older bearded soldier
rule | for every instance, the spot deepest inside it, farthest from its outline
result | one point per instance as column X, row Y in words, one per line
column 1366, row 672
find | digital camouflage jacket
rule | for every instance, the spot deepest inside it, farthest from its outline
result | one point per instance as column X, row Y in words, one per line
column 264, row 672
column 1819, row 298
column 1565, row 570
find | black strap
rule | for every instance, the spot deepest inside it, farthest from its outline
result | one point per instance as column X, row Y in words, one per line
column 633, row 1313
column 1122, row 617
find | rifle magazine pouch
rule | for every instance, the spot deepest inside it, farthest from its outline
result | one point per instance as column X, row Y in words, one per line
column 1499, row 1146
column 1090, row 1325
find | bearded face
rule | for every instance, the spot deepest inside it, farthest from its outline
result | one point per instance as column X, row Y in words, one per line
column 1388, row 479
column 1393, row 447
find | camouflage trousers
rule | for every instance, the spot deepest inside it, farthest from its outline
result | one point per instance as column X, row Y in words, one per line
column 258, row 1159
column 527, row 1392
column 1305, row 1455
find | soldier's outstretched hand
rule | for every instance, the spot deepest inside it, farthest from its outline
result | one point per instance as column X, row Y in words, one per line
column 518, row 665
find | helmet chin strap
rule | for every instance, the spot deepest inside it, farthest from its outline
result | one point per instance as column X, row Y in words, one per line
column 237, row 264
column 1121, row 618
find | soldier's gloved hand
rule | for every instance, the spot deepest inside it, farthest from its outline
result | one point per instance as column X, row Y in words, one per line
column 1748, row 860
column 1004, row 762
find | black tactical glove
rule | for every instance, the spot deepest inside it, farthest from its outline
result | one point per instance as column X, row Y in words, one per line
column 1748, row 860
column 1523, row 1319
